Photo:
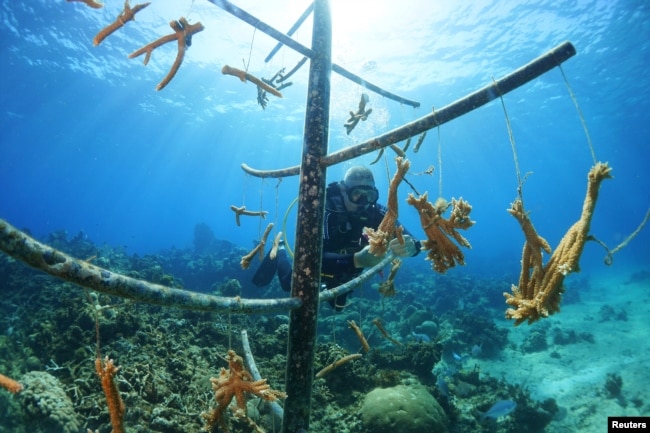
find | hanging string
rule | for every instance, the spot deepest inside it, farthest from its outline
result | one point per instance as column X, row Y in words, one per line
column 609, row 258
column 511, row 136
column 582, row 118
column 247, row 179
column 250, row 53
column 439, row 163
column 260, row 225
column 277, row 200
column 189, row 10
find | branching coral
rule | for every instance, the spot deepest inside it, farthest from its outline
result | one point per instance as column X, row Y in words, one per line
column 239, row 211
column 90, row 3
column 378, row 239
column 10, row 385
column 183, row 32
column 127, row 14
column 443, row 253
column 245, row 76
column 259, row 249
column 336, row 364
column 106, row 371
column 539, row 291
column 387, row 288
column 236, row 382
column 359, row 333
column 361, row 114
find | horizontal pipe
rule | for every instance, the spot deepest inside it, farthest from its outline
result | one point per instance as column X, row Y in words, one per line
column 510, row 82
column 45, row 258
column 286, row 40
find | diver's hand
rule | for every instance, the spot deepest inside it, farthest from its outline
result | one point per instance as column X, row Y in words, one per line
column 365, row 259
column 406, row 250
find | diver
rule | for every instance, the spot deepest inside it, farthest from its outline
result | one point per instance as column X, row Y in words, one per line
column 350, row 205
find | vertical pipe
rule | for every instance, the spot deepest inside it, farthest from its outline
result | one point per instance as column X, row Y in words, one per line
column 309, row 231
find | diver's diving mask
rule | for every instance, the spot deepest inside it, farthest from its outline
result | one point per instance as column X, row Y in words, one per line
column 362, row 194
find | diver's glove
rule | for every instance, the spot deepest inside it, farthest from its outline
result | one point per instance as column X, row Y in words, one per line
column 365, row 259
column 408, row 249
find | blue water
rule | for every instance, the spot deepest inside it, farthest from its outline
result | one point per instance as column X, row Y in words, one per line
column 86, row 143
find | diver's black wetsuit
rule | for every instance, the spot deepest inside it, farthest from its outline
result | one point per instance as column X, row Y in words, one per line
column 342, row 237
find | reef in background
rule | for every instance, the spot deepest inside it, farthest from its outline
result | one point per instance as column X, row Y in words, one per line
column 167, row 356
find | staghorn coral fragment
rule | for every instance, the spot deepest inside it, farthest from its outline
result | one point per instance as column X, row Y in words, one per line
column 387, row 288
column 127, row 14
column 443, row 253
column 245, row 76
column 378, row 239
column 243, row 211
column 235, row 382
column 259, row 249
column 539, row 291
column 359, row 333
column 10, row 385
column 183, row 32
column 106, row 370
column 361, row 114
column 90, row 3
column 380, row 326
column 336, row 364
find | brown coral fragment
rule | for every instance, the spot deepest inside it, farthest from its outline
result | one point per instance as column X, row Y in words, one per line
column 106, row 371
column 380, row 326
column 10, row 385
column 90, row 3
column 443, row 253
column 361, row 114
column 359, row 333
column 378, row 239
column 336, row 364
column 239, row 211
column 258, row 250
column 245, row 76
column 387, row 288
column 539, row 291
column 127, row 14
column 235, row 382
column 183, row 32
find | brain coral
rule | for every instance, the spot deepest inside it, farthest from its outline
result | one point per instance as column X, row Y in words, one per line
column 402, row 409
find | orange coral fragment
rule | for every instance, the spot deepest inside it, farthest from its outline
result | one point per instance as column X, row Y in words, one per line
column 443, row 253
column 236, row 382
column 10, row 385
column 90, row 3
column 243, row 211
column 378, row 239
column 245, row 76
column 362, row 338
column 336, row 364
column 259, row 249
column 378, row 323
column 540, row 289
column 387, row 288
column 183, row 32
column 127, row 14
column 106, row 372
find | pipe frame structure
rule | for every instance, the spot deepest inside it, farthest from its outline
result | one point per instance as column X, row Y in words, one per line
column 306, row 279
column 291, row 43
column 510, row 82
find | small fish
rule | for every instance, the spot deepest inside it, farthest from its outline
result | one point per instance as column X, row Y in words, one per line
column 459, row 358
column 499, row 409
column 442, row 386
column 476, row 350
